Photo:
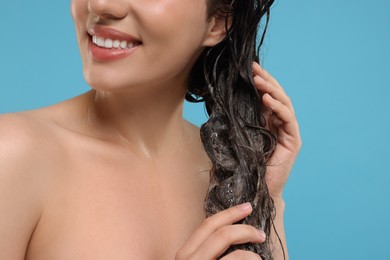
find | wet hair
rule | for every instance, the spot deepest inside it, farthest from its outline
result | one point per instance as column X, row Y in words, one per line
column 235, row 137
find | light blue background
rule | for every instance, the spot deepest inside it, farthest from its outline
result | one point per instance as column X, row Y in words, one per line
column 332, row 57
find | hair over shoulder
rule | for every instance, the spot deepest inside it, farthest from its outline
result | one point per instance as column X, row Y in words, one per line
column 235, row 136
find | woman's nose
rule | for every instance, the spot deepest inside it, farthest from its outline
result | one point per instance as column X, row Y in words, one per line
column 108, row 9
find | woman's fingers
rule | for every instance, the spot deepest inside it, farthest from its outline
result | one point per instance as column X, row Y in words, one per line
column 226, row 236
column 213, row 223
column 276, row 102
column 241, row 255
column 283, row 113
column 277, row 93
column 218, row 232
column 258, row 70
column 265, row 83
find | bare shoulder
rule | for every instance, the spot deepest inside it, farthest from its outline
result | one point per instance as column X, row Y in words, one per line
column 30, row 141
column 17, row 141
column 30, row 135
column 22, row 162
column 196, row 143
column 21, row 135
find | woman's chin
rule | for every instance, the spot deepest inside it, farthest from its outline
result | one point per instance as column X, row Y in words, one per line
column 105, row 83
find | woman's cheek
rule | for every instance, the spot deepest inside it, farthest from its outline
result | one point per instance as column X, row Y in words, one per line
column 79, row 10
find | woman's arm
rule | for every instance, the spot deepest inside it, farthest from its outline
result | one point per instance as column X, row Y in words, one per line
column 19, row 200
column 278, row 251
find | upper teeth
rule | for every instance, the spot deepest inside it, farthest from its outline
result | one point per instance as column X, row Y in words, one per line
column 108, row 43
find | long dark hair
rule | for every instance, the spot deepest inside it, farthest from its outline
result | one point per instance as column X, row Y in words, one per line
column 235, row 136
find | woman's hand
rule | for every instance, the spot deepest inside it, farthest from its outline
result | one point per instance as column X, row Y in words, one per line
column 217, row 233
column 280, row 116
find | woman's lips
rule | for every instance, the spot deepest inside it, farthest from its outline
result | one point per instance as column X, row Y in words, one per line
column 107, row 44
column 111, row 33
column 108, row 54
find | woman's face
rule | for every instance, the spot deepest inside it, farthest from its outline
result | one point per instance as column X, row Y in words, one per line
column 142, row 42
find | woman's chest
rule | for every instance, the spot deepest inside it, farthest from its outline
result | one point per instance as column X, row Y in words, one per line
column 146, row 215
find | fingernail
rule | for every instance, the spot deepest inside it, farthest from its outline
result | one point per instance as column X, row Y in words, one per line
column 245, row 206
column 262, row 234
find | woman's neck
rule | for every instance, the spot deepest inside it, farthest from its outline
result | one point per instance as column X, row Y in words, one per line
column 149, row 123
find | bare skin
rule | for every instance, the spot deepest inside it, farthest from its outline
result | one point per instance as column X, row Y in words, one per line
column 94, row 198
column 82, row 193
column 117, row 173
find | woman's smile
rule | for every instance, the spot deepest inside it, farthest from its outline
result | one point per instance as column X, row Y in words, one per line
column 108, row 44
column 147, row 46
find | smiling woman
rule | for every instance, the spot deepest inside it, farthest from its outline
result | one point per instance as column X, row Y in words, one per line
column 163, row 28
column 117, row 173
column 103, row 48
